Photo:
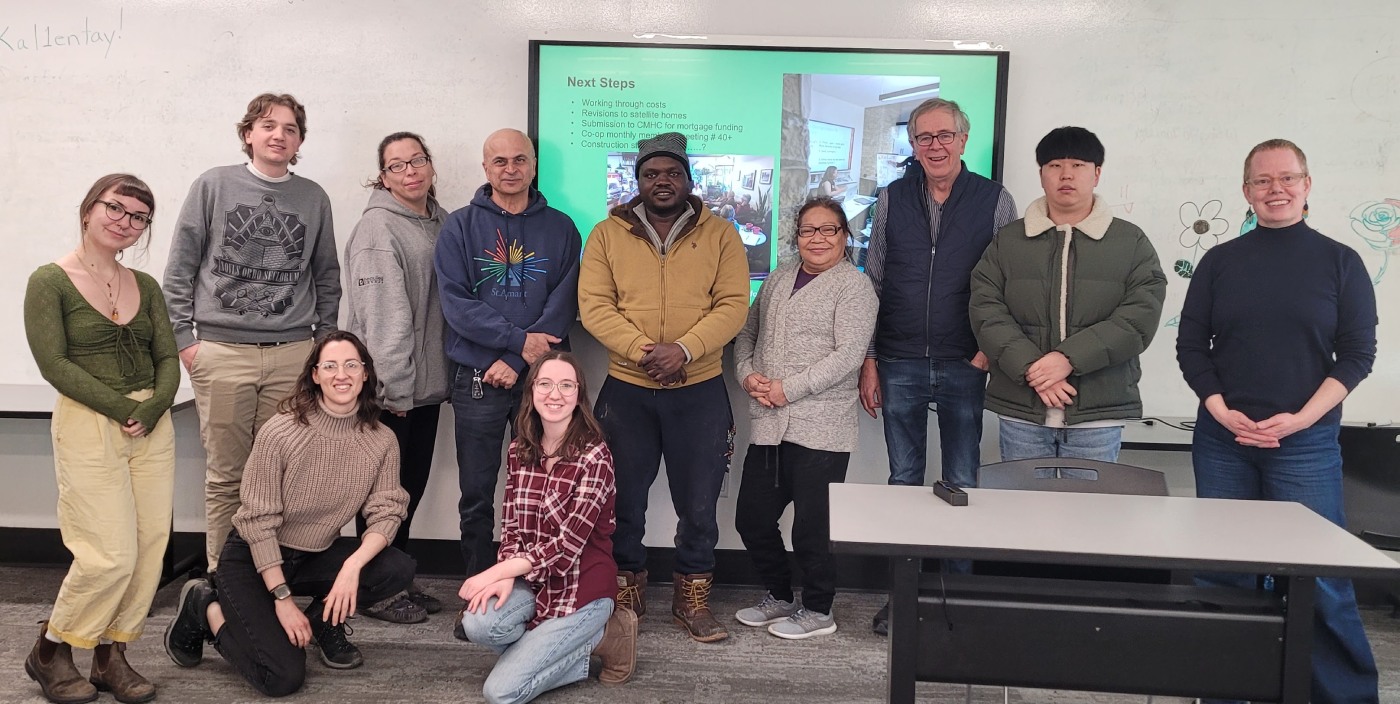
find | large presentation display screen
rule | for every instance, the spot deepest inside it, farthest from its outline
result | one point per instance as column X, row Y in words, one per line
column 767, row 127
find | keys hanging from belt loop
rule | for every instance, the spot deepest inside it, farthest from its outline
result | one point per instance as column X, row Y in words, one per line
column 476, row 385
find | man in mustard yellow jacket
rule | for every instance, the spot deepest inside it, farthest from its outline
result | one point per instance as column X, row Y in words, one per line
column 664, row 285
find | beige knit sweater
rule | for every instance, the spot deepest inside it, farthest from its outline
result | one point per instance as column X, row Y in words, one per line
column 303, row 483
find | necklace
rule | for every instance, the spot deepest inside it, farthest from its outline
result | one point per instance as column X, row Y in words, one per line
column 112, row 298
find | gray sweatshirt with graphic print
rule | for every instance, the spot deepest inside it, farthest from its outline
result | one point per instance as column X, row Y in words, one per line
column 252, row 260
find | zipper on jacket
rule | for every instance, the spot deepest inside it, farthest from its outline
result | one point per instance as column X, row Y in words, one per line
column 932, row 250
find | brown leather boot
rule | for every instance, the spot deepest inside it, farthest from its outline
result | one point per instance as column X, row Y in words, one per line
column 51, row 665
column 618, row 648
column 112, row 673
column 632, row 591
column 690, row 604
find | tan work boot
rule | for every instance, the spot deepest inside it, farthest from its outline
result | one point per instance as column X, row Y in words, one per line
column 632, row 591
column 690, row 604
column 618, row 648
column 51, row 665
column 112, row 673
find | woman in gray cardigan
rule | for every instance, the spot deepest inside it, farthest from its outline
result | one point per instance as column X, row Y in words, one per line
column 799, row 358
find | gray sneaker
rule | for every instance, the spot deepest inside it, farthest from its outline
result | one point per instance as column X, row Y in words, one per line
column 804, row 624
column 770, row 610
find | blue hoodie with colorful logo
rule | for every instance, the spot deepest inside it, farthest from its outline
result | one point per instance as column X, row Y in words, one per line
column 504, row 274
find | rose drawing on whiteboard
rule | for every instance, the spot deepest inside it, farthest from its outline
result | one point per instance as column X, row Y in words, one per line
column 1378, row 222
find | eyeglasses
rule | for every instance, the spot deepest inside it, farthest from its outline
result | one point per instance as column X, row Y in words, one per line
column 115, row 212
column 1261, row 183
column 351, row 366
column 416, row 162
column 807, row 231
column 546, row 387
column 926, row 139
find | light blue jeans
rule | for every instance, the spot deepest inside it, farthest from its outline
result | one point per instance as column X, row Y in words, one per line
column 552, row 654
column 1027, row 441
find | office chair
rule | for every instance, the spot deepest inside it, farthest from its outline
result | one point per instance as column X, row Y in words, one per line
column 1371, row 495
column 1073, row 475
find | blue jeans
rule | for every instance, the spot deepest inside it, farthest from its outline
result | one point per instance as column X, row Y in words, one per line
column 480, row 428
column 1027, row 441
column 1307, row 468
column 552, row 654
column 907, row 387
column 692, row 427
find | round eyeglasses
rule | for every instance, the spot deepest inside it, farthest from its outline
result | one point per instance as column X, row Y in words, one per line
column 546, row 387
column 115, row 212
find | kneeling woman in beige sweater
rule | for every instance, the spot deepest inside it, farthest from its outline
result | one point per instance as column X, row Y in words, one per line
column 323, row 458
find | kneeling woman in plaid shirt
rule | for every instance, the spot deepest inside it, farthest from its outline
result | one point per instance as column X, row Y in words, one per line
column 548, row 602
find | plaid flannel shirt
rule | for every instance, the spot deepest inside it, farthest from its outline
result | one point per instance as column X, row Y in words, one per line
column 548, row 518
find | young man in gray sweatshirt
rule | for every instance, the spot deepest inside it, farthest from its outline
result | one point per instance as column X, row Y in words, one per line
column 252, row 276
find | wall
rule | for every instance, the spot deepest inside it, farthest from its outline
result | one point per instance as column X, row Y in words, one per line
column 1177, row 90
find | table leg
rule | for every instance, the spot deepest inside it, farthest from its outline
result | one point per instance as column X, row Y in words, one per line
column 1297, row 639
column 904, row 628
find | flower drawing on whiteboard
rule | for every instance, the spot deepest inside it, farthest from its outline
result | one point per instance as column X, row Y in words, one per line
column 1202, row 228
column 1379, row 224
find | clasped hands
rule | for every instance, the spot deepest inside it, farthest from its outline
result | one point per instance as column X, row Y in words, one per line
column 502, row 376
column 1048, row 376
column 1266, row 433
column 664, row 362
column 768, row 392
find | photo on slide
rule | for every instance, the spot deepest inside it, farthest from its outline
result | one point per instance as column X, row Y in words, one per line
column 728, row 185
column 850, row 130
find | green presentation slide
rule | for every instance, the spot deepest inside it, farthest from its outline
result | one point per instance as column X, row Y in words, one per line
column 767, row 128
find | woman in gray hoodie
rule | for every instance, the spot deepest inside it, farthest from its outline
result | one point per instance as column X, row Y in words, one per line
column 394, row 309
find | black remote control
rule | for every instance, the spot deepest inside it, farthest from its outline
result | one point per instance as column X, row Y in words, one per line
column 952, row 495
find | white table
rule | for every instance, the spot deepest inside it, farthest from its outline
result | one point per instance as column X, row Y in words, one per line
column 1285, row 540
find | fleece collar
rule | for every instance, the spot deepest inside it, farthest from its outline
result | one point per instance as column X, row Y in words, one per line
column 1095, row 226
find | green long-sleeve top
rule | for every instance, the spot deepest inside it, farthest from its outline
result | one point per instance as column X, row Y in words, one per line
column 94, row 361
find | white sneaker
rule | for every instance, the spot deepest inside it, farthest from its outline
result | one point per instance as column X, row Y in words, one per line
column 770, row 610
column 804, row 624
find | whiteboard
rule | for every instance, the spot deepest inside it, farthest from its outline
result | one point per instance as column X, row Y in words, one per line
column 1177, row 90
column 829, row 145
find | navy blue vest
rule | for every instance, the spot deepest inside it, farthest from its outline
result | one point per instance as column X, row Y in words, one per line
column 924, row 291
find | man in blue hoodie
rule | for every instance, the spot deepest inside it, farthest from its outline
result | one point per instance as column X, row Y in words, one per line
column 507, row 267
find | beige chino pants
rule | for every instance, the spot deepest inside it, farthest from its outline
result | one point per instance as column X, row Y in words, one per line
column 115, row 496
column 236, row 390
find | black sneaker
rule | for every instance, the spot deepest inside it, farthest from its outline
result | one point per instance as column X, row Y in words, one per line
column 429, row 603
column 186, row 633
column 336, row 652
column 882, row 621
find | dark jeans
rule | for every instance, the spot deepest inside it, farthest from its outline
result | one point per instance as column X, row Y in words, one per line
column 1306, row 468
column 253, row 640
column 693, row 428
column 958, row 389
column 775, row 476
column 417, row 435
column 480, row 428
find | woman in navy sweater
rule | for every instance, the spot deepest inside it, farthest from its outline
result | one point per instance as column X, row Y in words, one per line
column 1278, row 327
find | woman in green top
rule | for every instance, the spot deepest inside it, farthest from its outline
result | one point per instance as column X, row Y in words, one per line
column 100, row 334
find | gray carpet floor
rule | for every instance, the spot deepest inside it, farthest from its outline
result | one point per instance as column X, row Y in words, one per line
column 423, row 663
